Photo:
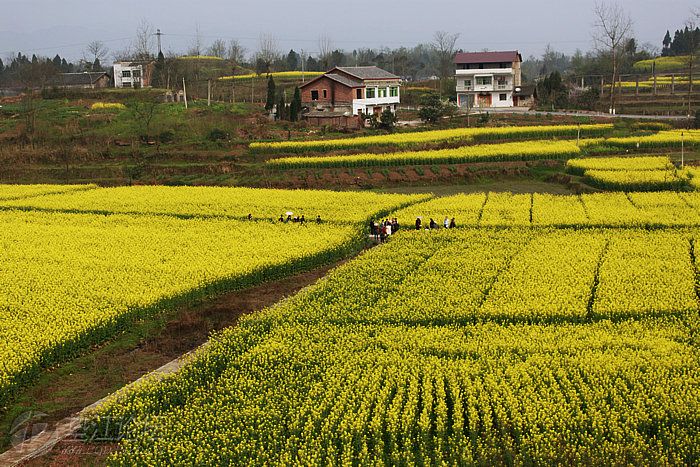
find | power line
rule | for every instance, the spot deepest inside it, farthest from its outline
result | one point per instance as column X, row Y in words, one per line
column 65, row 46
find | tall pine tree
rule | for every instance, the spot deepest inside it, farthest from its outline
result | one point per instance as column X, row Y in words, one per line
column 281, row 107
column 295, row 107
column 270, row 102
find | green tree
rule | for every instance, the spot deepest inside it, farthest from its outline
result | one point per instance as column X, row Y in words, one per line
column 293, row 60
column 431, row 108
column 281, row 113
column 388, row 120
column 270, row 102
column 159, row 72
column 667, row 43
column 295, row 107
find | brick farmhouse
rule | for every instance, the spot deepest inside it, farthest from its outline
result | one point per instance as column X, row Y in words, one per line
column 352, row 91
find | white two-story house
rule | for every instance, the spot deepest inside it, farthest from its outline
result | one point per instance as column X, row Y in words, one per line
column 488, row 79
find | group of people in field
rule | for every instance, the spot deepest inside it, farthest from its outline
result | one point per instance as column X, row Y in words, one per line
column 296, row 219
column 382, row 230
column 447, row 223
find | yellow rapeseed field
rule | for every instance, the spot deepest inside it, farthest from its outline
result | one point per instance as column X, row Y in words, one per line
column 78, row 266
column 475, row 346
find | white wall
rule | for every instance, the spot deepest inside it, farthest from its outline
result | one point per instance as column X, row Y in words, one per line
column 497, row 102
column 126, row 82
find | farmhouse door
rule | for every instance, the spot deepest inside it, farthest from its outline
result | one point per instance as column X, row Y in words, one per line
column 484, row 100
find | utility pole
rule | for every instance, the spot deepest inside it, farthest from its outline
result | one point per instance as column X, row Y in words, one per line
column 303, row 57
column 682, row 148
column 209, row 93
column 160, row 48
column 252, row 90
column 184, row 90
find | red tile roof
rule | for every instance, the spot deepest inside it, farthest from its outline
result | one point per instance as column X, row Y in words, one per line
column 488, row 57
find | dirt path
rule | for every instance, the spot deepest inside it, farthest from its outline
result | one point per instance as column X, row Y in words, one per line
column 64, row 391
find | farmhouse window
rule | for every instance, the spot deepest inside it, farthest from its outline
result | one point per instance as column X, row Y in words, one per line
column 483, row 80
column 504, row 97
column 393, row 91
column 314, row 95
column 382, row 92
column 369, row 93
column 137, row 73
column 325, row 93
column 126, row 74
column 358, row 93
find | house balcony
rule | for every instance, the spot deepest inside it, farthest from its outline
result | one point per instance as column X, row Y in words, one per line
column 485, row 71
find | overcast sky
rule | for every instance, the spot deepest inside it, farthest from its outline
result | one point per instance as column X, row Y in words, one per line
column 47, row 27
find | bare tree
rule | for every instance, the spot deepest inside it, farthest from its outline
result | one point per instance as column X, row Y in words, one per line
column 612, row 28
column 123, row 55
column 268, row 52
column 693, row 49
column 444, row 48
column 144, row 43
column 236, row 52
column 96, row 50
column 218, row 48
column 325, row 49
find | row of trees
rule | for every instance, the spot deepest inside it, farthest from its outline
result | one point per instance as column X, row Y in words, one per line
column 683, row 42
column 277, row 100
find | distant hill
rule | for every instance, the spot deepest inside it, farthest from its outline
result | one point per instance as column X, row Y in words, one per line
column 663, row 64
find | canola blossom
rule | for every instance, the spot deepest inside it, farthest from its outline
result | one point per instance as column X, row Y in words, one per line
column 75, row 271
column 637, row 180
column 107, row 106
column 418, row 138
column 580, row 166
column 662, row 139
column 693, row 176
column 474, row 346
column 19, row 192
column 658, row 209
column 234, row 203
column 516, row 151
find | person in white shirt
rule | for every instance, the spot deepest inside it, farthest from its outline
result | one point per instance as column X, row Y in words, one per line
column 446, row 223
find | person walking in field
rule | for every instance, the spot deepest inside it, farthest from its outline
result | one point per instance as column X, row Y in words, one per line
column 418, row 223
column 302, row 220
column 281, row 219
column 433, row 224
column 318, row 219
column 453, row 224
column 382, row 233
column 388, row 228
column 446, row 223
column 250, row 217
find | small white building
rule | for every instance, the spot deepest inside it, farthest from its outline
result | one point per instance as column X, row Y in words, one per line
column 488, row 79
column 130, row 75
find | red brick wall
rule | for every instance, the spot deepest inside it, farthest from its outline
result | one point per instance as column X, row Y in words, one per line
column 336, row 92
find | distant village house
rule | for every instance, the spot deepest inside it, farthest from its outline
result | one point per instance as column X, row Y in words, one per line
column 133, row 74
column 346, row 92
column 491, row 80
column 85, row 80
